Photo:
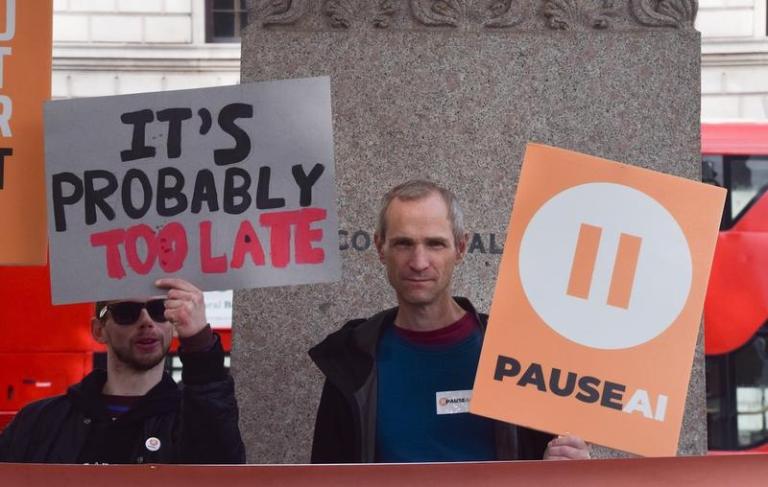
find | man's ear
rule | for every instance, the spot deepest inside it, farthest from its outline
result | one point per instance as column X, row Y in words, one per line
column 379, row 242
column 461, row 246
column 97, row 330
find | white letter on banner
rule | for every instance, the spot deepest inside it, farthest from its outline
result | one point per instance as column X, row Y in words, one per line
column 10, row 21
column 5, row 115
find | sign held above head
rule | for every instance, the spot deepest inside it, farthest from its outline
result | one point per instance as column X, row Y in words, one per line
column 229, row 187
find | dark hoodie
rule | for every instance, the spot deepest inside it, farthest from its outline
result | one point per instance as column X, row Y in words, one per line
column 345, row 425
column 116, row 440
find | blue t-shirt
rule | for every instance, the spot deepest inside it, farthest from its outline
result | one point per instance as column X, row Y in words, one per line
column 412, row 378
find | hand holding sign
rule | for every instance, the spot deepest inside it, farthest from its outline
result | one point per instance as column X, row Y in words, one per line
column 184, row 306
column 567, row 447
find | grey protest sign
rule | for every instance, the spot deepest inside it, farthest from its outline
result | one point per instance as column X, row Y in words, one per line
column 227, row 187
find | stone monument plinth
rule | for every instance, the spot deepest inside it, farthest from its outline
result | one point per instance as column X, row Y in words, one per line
column 451, row 90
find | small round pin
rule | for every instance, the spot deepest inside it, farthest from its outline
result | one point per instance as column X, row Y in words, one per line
column 152, row 443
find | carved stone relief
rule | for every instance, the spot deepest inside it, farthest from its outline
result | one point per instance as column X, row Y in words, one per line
column 339, row 12
column 669, row 13
column 567, row 14
column 438, row 12
column 385, row 10
column 503, row 13
column 280, row 12
column 558, row 14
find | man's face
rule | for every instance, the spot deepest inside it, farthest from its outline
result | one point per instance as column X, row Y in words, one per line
column 419, row 250
column 139, row 346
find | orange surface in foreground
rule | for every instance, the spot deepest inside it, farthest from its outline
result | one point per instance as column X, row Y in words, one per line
column 698, row 471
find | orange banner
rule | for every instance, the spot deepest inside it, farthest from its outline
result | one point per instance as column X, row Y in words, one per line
column 25, row 83
column 597, row 307
column 698, row 471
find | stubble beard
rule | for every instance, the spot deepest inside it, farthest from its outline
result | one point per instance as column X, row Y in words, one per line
column 133, row 362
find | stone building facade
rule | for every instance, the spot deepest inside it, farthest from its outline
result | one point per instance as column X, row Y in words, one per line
column 115, row 47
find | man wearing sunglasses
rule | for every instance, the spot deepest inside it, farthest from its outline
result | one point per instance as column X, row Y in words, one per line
column 134, row 412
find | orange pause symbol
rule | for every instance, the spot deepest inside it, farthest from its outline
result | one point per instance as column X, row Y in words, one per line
column 624, row 267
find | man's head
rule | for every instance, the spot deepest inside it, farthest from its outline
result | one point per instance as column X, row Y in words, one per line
column 420, row 238
column 418, row 189
column 135, row 331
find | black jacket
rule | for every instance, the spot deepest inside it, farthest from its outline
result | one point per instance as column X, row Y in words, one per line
column 345, row 427
column 197, row 423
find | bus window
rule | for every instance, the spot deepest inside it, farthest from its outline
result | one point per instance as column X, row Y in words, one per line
column 712, row 170
column 751, row 380
column 749, row 177
column 737, row 396
column 718, row 399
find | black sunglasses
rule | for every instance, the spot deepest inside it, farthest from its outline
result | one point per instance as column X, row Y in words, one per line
column 128, row 312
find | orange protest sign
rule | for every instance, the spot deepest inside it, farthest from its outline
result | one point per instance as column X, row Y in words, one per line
column 596, row 310
column 25, row 82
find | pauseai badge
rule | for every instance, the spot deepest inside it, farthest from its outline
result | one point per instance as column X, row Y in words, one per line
column 452, row 402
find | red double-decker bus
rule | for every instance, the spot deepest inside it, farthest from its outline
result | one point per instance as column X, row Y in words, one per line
column 735, row 156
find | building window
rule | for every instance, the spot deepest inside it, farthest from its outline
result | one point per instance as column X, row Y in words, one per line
column 224, row 19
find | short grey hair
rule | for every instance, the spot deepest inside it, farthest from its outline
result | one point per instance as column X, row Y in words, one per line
column 417, row 189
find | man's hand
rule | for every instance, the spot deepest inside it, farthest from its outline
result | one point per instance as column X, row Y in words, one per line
column 184, row 306
column 567, row 447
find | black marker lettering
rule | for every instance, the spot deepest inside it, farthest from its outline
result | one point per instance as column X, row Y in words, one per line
column 60, row 200
column 306, row 182
column 205, row 192
column 263, row 200
column 227, row 117
column 96, row 197
column 233, row 191
column 138, row 150
column 127, row 193
column 174, row 117
column 167, row 192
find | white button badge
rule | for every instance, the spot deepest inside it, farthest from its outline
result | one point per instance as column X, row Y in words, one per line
column 152, row 443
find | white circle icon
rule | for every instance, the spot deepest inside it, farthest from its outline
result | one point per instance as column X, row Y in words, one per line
column 605, row 266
